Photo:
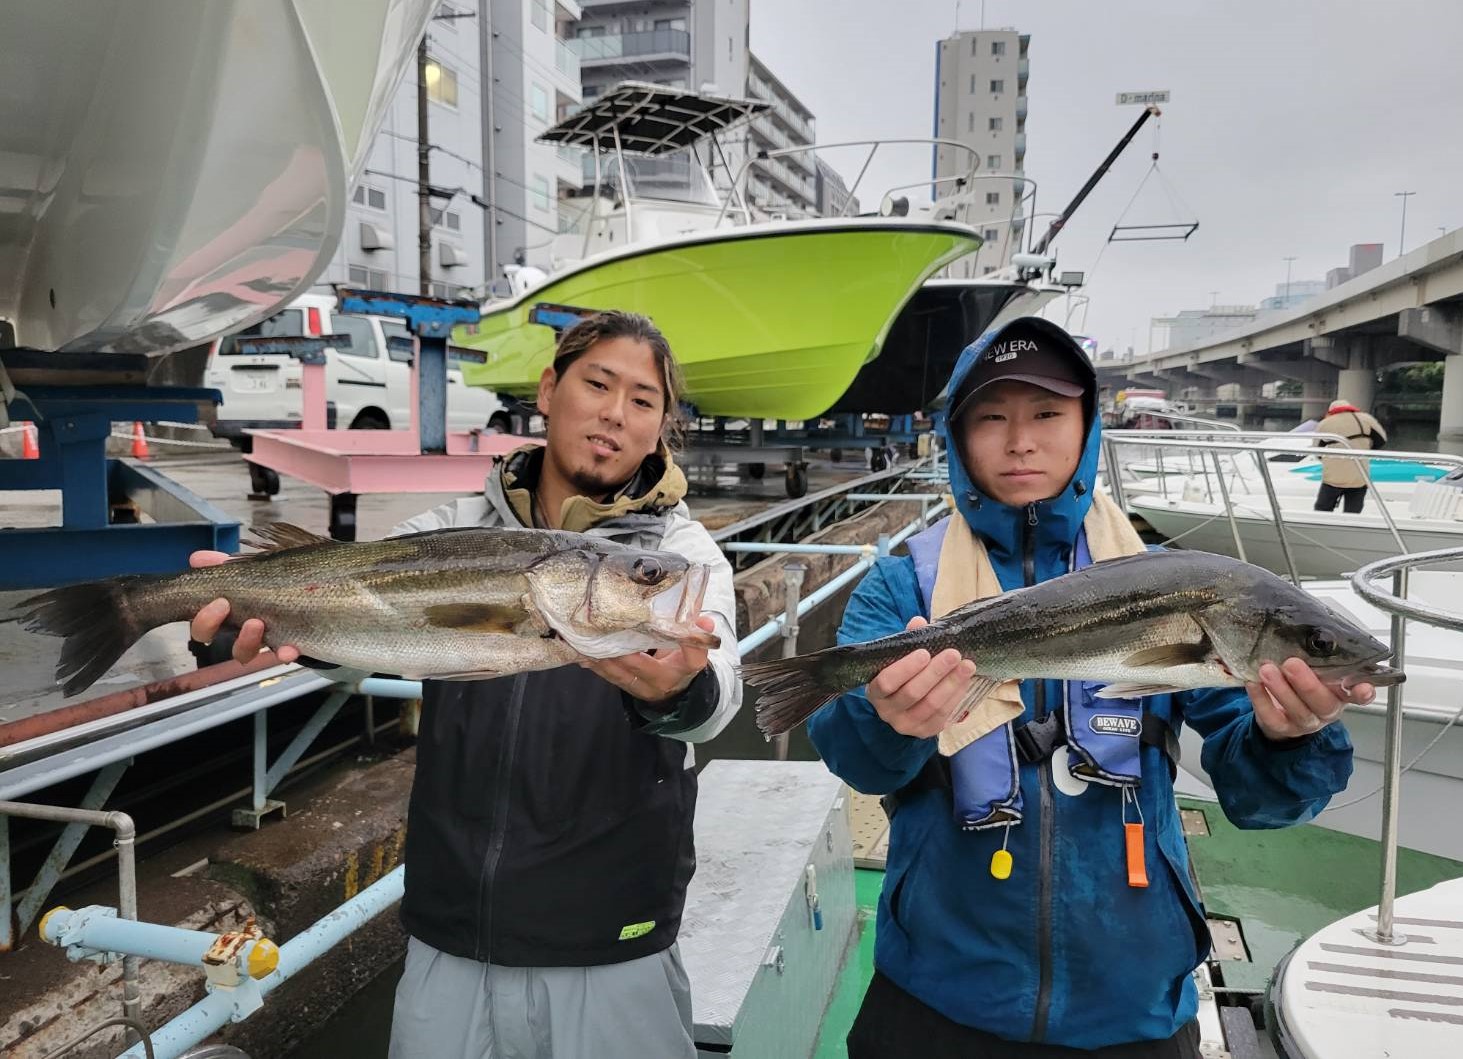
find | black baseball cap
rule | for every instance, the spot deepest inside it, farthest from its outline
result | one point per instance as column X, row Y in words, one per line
column 1025, row 354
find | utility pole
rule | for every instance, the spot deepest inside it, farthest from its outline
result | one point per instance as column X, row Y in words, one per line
column 424, row 175
column 1402, row 239
column 1288, row 260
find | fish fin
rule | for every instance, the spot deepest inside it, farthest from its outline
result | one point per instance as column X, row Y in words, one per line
column 96, row 621
column 979, row 688
column 474, row 617
column 1135, row 690
column 281, row 536
column 1171, row 654
column 788, row 691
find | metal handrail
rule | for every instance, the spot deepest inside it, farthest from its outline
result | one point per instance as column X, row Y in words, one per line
column 739, row 179
column 1205, row 441
column 1400, row 608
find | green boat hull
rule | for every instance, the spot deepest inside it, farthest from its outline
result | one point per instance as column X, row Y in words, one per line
column 770, row 324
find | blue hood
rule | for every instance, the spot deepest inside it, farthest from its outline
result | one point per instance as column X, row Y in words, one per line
column 1058, row 519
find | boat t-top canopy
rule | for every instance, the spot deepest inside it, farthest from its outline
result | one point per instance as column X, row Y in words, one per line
column 650, row 119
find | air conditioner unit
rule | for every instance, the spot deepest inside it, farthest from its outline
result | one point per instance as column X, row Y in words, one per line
column 374, row 237
column 450, row 255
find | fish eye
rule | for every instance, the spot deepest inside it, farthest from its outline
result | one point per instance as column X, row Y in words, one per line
column 1321, row 644
column 647, row 572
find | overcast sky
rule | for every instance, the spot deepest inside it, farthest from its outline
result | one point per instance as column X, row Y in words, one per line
column 1291, row 125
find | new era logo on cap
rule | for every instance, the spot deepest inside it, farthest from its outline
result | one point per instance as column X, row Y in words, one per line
column 1004, row 351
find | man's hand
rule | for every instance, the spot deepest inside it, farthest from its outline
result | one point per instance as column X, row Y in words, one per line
column 207, row 622
column 1292, row 701
column 654, row 678
column 916, row 695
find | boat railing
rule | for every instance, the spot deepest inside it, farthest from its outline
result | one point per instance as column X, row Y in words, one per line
column 1400, row 608
column 961, row 181
column 1259, row 445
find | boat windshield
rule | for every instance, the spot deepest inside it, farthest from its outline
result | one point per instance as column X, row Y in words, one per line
column 675, row 177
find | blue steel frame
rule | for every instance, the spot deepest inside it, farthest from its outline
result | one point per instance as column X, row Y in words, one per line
column 73, row 424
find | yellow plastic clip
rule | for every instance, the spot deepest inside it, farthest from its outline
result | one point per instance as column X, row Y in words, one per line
column 1001, row 858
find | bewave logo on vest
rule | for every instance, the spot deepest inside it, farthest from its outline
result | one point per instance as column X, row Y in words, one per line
column 1008, row 350
column 1113, row 724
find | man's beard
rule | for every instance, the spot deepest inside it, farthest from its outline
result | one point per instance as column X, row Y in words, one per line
column 593, row 484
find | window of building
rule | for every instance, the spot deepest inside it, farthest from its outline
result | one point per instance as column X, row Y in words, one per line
column 540, row 103
column 994, row 124
column 990, row 235
column 970, row 121
column 998, row 47
column 993, row 161
column 363, row 336
column 367, row 278
column 973, row 79
column 974, row 47
column 441, row 84
column 992, row 198
column 538, row 193
column 446, row 219
column 670, row 23
column 590, row 92
column 365, row 195
column 998, row 86
column 539, row 12
column 589, row 31
column 987, row 270
column 446, row 291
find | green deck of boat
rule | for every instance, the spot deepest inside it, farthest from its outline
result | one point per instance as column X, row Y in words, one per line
column 1285, row 885
column 1280, row 885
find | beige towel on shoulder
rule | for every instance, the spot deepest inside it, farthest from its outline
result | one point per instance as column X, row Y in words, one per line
column 965, row 574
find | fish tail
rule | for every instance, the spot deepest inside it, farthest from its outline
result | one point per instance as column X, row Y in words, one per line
column 790, row 690
column 97, row 621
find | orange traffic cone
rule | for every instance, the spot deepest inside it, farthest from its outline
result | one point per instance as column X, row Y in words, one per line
column 139, row 441
column 29, row 448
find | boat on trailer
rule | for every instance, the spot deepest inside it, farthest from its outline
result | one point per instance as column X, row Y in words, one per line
column 173, row 172
column 770, row 319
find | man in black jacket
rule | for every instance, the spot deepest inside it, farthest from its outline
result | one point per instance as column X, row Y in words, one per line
column 549, row 840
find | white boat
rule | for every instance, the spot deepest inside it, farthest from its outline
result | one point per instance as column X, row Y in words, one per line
column 1384, row 981
column 1419, row 509
column 171, row 172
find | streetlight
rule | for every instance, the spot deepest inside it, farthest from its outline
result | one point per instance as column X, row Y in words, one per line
column 1287, row 261
column 1402, row 239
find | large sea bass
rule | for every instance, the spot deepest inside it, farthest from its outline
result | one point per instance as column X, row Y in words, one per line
column 467, row 602
column 1144, row 625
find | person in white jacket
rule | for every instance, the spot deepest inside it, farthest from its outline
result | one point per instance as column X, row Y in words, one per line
column 549, row 838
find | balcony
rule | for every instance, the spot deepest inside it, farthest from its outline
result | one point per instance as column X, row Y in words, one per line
column 1020, row 146
column 1020, row 108
column 1023, row 71
column 566, row 60
column 651, row 44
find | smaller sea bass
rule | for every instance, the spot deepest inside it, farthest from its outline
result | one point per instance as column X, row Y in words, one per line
column 461, row 603
column 1143, row 625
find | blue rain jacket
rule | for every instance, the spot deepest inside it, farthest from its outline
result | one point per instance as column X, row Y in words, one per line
column 1063, row 951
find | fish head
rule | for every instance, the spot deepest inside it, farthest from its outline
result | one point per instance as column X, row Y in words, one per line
column 1326, row 640
column 617, row 601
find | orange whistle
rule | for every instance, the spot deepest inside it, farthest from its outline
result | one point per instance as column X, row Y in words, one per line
column 1133, row 838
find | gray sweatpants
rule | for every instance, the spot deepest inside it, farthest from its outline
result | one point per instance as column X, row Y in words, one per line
column 448, row 1007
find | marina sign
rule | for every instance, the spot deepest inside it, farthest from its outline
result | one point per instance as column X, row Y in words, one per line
column 1124, row 98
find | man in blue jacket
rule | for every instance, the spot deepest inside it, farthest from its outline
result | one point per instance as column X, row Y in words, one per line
column 1017, row 918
